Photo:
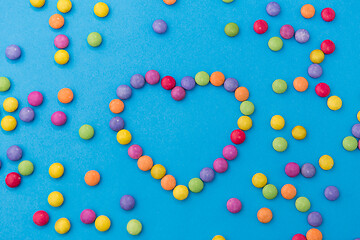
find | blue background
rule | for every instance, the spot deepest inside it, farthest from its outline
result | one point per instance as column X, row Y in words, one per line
column 183, row 136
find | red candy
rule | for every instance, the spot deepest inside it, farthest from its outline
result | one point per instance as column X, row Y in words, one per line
column 168, row 82
column 237, row 136
column 328, row 46
column 328, row 14
column 41, row 218
column 299, row 237
column 322, row 90
column 13, row 179
column 260, row 26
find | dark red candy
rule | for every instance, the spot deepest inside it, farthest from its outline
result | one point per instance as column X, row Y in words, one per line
column 13, row 179
column 237, row 136
column 260, row 26
column 328, row 14
column 328, row 46
column 168, row 82
column 322, row 90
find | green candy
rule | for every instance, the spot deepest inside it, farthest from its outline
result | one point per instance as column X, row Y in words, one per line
column 202, row 78
column 279, row 86
column 270, row 191
column 4, row 84
column 227, row 1
column 196, row 185
column 280, row 144
column 302, row 204
column 26, row 168
column 231, row 29
column 86, row 132
column 134, row 227
column 350, row 143
column 94, row 39
column 247, row 108
column 275, row 44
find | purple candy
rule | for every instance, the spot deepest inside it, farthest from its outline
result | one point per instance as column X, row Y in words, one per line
column 331, row 193
column 159, row 26
column 116, row 124
column 302, row 36
column 355, row 130
column 152, row 77
column 127, row 202
column 14, row 153
column 207, row 174
column 188, row 83
column 231, row 84
column 13, row 52
column 233, row 205
column 27, row 114
column 137, row 81
column 87, row 216
column 230, row 152
column 315, row 70
column 292, row 169
column 287, row 31
column 178, row 93
column 273, row 9
column 314, row 219
column 135, row 151
column 123, row 92
column 308, row 170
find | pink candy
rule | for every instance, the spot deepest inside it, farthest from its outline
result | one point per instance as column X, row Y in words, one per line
column 230, row 152
column 87, row 216
column 58, row 118
column 35, row 98
column 178, row 93
column 220, row 165
column 61, row 41
column 152, row 77
column 135, row 151
column 234, row 205
column 292, row 169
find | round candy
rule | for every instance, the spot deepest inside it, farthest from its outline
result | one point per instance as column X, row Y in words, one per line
column 331, row 193
column 123, row 137
column 275, row 44
column 279, row 86
column 135, row 151
column 334, row 103
column 269, row 191
column 287, row 31
column 328, row 14
column 168, row 182
column 158, row 171
column 13, row 52
column 61, row 57
column 159, row 26
column 56, row 170
column 247, row 108
column 35, row 98
column 14, row 153
column 298, row 236
column 219, row 237
column 314, row 234
column 358, row 116
column 220, row 165
column 127, row 202
column 317, row 56
column 196, row 185
column 65, row 95
column 26, row 168
column 178, row 93
column 8, row 123
column 207, row 174
column 308, row 170
column 302, row 36
column 230, row 152
column 280, row 144
column 123, row 92
column 277, row 122
column 244, row 123
column 300, row 84
column 116, row 124
column 355, row 130
column 292, row 169
column 55, row 199
column 231, row 84
column 152, row 77
column 134, row 227
column 168, row 82
column 237, row 136
column 259, row 180
column 116, row 106
column 87, row 216
column 94, row 39
column 58, row 118
column 180, row 192
column 322, row 90
column 298, row 132
column 307, row 11
column 64, row 6
column 62, row 225
column 217, row 79
column 169, row 2
column 227, row 1
column 13, row 179
column 188, row 83
column 314, row 219
column 37, row 3
column 288, row 191
column 327, row 46
column 101, row 9
column 10, row 104
column 41, row 218
column 315, row 70
column 137, row 81
column 264, row 215
column 102, row 223
column 231, row 29
column 86, row 132
column 202, row 78
column 145, row 163
column 273, row 9
column 326, row 162
column 56, row 21
column 302, row 204
column 242, row 94
column 260, row 26
column 233, row 205
column 92, row 178
column 4, row 84
column 350, row 143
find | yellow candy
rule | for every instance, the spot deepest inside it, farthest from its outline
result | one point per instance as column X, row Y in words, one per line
column 326, row 162
column 56, row 170
column 317, row 56
column 64, row 6
column 358, row 116
column 158, row 171
column 334, row 103
column 8, row 123
column 37, row 3
column 244, row 123
column 10, row 104
column 101, row 9
column 102, row 223
column 180, row 192
column 123, row 137
column 55, row 199
column 218, row 237
column 62, row 57
column 277, row 122
column 259, row 180
column 299, row 132
column 62, row 225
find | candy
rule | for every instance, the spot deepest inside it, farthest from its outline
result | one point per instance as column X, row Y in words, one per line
column 26, row 168
column 322, row 90
column 227, row 1
column 326, row 162
column 37, row 3
column 279, row 86
column 334, row 103
column 124, row 92
column 56, row 21
column 102, row 223
column 241, row 94
column 55, row 199
column 123, row 137
column 247, row 108
column 260, row 26
column 188, row 83
column 169, row 2
column 300, row 84
column 355, row 130
column 92, row 178
column 116, row 124
column 86, row 132
column 277, row 122
column 273, row 9
column 327, row 46
column 315, row 70
column 288, row 191
column 168, row 82
column 233, row 205
column 12, row 180
column 159, row 26
column 145, row 163
column 230, row 152
column 307, row 11
column 152, row 77
column 180, row 192
column 328, row 14
column 259, row 180
column 350, row 143
column 178, row 93
column 269, row 191
column 101, row 9
column 275, row 44
column 302, row 204
column 314, row 219
column 280, row 144
column 65, row 95
column 168, row 182
column 135, row 151
column 64, row 6
column 298, row 237
column 202, row 78
column 13, row 52
column 358, row 116
column 127, row 202
column 314, row 234
column 196, row 185
column 94, row 39
column 264, row 215
column 219, row 237
column 134, row 227
column 317, row 56
column 14, row 153
column 87, row 216
column 220, row 165
column 237, row 136
column 302, row 36
column 35, row 98
column 231, row 84
column 8, row 123
column 61, row 57
column 292, row 169
column 331, row 193
column 217, row 79
column 244, row 123
column 207, row 174
column 158, row 171
column 41, row 218
column 116, row 106
column 137, row 81
column 287, row 31
column 298, row 132
column 231, row 29
column 308, row 170
column 56, row 170
column 4, row 84
column 62, row 225
column 58, row 118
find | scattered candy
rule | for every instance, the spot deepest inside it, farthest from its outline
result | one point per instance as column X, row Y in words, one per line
column 279, row 86
column 328, row 14
column 317, row 56
column 41, row 218
column 135, row 151
column 298, row 237
column 300, row 84
column 64, row 6
column 275, row 44
column 219, row 237
column 334, row 103
column 302, row 36
column 168, row 182
column 62, row 225
column 158, row 171
column 124, row 92
column 287, row 31
column 58, row 118
column 27, row 114
column 327, row 46
column 168, row 82
column 298, row 132
column 169, row 2
column 134, row 227
column 13, row 180
column 116, row 124
column 231, row 29
column 292, row 169
column 273, row 9
column 220, row 165
column 217, row 79
column 355, row 130
column 26, row 168
column 202, row 78
column 307, row 11
column 247, row 108
column 207, row 174
column 14, row 153
column 244, row 123
column 8, row 123
column 314, row 234
column 4, row 84
column 180, row 192
column 56, row 21
column 178, row 93
column 196, row 185
column 260, row 26
column 350, row 143
column 242, row 94
column 188, row 83
column 145, row 163
column 233, row 205
column 331, row 193
column 322, row 90
column 314, row 219
column 315, row 70
column 127, row 202
column 56, row 170
column 269, row 191
column 87, row 216
column 227, row 1
column 35, row 98
column 230, row 152
column 152, row 77
column 86, row 132
column 277, row 122
column 65, row 95
column 264, row 215
column 237, row 136
column 231, row 84
column 159, row 26
column 101, row 9
column 288, row 191
column 94, row 39
column 259, row 180
column 102, row 223
column 137, row 81
column 116, row 106
column 302, row 204
column 61, row 57
column 280, row 144
column 55, row 199
column 92, row 178
column 308, row 170
column 13, row 52
column 37, row 3
column 326, row 162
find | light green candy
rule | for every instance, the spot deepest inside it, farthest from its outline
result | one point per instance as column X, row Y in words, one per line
column 270, row 191
column 231, row 29
column 86, row 132
column 4, row 84
column 279, row 86
column 247, row 108
column 196, row 185
column 227, row 1
column 202, row 78
column 26, row 168
column 275, row 44
column 350, row 143
column 280, row 144
column 134, row 227
column 302, row 204
column 94, row 39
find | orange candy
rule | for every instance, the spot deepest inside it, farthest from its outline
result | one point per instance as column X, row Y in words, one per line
column 169, row 2
column 314, row 234
column 65, row 95
column 300, row 84
column 92, row 178
column 116, row 106
column 145, row 163
column 168, row 182
column 308, row 11
column 56, row 21
column 241, row 94
column 288, row 191
column 217, row 79
column 264, row 215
